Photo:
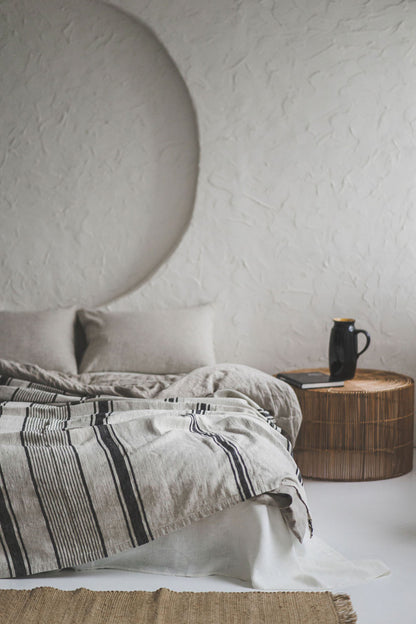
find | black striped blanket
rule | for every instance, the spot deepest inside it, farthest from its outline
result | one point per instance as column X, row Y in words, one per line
column 83, row 476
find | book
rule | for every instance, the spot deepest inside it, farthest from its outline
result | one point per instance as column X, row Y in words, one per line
column 311, row 379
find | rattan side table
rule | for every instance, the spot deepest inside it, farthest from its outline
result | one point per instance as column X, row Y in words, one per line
column 359, row 432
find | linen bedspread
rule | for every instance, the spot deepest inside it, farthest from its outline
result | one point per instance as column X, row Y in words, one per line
column 91, row 465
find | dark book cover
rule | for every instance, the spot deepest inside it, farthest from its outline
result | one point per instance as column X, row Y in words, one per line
column 312, row 379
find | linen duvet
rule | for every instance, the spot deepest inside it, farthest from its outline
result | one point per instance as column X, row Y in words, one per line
column 95, row 464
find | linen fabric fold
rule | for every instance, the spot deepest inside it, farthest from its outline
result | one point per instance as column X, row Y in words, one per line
column 84, row 475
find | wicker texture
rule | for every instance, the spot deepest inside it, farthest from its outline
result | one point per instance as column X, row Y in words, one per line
column 46, row 605
column 359, row 432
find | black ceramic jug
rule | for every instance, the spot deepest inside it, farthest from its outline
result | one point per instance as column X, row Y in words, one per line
column 343, row 348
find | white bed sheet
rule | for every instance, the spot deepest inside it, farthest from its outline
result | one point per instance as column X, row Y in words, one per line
column 250, row 541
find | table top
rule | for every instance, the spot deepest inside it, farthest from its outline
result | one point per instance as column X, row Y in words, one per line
column 366, row 380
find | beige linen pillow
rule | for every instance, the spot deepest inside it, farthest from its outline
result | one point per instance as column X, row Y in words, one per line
column 45, row 338
column 156, row 341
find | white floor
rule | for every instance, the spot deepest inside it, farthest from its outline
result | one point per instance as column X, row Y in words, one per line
column 374, row 520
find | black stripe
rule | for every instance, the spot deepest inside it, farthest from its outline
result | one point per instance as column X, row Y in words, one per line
column 103, row 406
column 245, row 487
column 245, row 480
column 101, row 412
column 10, row 537
column 12, row 398
column 96, row 432
column 6, row 556
column 32, row 474
column 87, row 492
column 194, row 426
column 125, row 484
column 70, row 542
column 15, row 522
column 142, row 511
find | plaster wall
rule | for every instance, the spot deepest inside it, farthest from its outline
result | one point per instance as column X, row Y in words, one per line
column 305, row 205
column 306, row 199
column 99, row 153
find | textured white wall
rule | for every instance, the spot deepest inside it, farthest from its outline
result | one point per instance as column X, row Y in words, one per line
column 305, row 201
column 94, row 115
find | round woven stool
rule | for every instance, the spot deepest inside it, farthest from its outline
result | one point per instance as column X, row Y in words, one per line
column 359, row 432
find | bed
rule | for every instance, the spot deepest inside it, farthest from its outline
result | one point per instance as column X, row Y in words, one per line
column 188, row 472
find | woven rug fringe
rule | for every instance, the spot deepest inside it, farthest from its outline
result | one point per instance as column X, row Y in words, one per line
column 343, row 606
column 48, row 605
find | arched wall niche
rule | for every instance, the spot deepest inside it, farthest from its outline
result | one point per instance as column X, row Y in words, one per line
column 100, row 157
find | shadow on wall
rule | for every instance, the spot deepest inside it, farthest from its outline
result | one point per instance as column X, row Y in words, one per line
column 100, row 172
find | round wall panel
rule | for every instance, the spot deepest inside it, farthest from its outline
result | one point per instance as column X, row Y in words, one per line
column 99, row 154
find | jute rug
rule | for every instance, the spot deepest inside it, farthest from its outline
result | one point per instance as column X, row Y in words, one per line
column 47, row 605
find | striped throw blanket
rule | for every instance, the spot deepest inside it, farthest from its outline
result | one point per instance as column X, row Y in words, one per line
column 85, row 475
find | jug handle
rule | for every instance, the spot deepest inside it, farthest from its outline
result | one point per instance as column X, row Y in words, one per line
column 367, row 344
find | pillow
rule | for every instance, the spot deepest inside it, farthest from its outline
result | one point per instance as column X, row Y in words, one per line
column 157, row 341
column 44, row 338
